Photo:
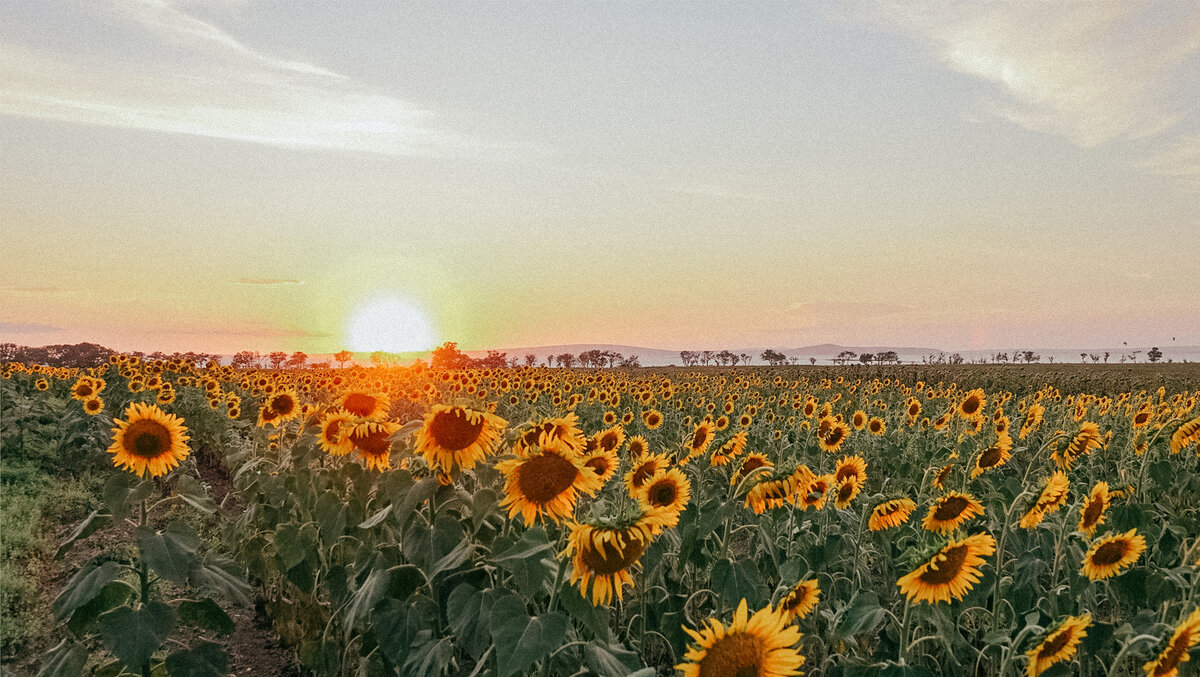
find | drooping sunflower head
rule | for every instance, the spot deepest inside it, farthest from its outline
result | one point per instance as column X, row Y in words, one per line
column 1084, row 441
column 994, row 456
column 560, row 431
column 1092, row 512
column 940, row 477
column 457, row 437
column 891, row 513
column 149, row 439
column 545, row 483
column 731, row 449
column 604, row 553
column 1186, row 434
column 814, row 492
column 364, row 403
column 1055, row 493
column 950, row 573
column 334, row 433
column 1187, row 635
column 846, row 491
column 800, row 600
column 760, row 644
column 951, row 511
column 1058, row 645
column 700, row 438
column 771, row 491
column 1111, row 555
column 370, row 438
column 751, row 463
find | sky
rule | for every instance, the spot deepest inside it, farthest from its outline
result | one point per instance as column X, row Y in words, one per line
column 220, row 175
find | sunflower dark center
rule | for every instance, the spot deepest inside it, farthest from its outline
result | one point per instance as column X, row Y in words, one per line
column 699, row 438
column 989, row 457
column 834, row 437
column 662, row 493
column 1055, row 644
column 545, row 476
column 844, row 472
column 608, row 441
column 606, row 559
column 83, row 390
column 751, row 464
column 643, row 473
column 796, row 599
column 949, row 564
column 147, row 438
column 875, row 426
column 453, row 431
column 333, row 430
column 92, row 405
column 950, row 508
column 283, row 404
column 1092, row 512
column 599, row 464
column 734, row 655
column 846, row 491
column 359, row 404
column 374, row 443
column 1110, row 553
column 970, row 405
column 1172, row 656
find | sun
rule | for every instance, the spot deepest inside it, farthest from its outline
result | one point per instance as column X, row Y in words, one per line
column 391, row 324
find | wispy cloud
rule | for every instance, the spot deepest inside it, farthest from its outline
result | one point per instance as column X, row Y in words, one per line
column 267, row 281
column 198, row 79
column 27, row 328
column 1093, row 71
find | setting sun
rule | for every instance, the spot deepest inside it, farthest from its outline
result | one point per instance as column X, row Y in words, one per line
column 390, row 324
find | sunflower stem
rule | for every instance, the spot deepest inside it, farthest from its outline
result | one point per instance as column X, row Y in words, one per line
column 558, row 578
column 144, row 578
column 904, row 632
column 1146, row 454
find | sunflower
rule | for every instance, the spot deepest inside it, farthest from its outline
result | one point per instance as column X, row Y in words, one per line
column 951, row 511
column 560, row 431
column 800, row 600
column 700, row 438
column 669, row 490
column 851, row 466
column 730, row 450
column 812, row 494
column 773, row 490
column 1091, row 513
column 333, row 436
column 914, row 409
column 876, row 426
column 1142, row 418
column 610, row 440
column 994, row 456
column 1187, row 634
column 42, row 384
column 939, row 479
column 1084, row 441
column 831, row 440
column 759, row 644
column 846, row 491
column 890, row 514
column 83, row 389
column 1058, row 645
column 1110, row 555
column 950, row 572
column 972, row 405
column 1033, row 419
column 149, row 439
column 364, row 403
column 546, row 483
column 602, row 463
column 93, row 405
column 752, row 462
column 1053, row 496
column 637, row 447
column 284, row 404
column 652, row 418
column 859, row 419
column 267, row 416
column 455, row 436
column 1188, row 433
column 371, row 440
column 604, row 553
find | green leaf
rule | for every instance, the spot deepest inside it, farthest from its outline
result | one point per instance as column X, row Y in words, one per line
column 293, row 543
column 734, row 581
column 453, row 559
column 363, row 599
column 170, row 553
column 594, row 618
column 483, row 506
column 861, row 617
column 376, row 518
column 219, row 575
column 610, row 660
column 396, row 625
column 83, row 588
column 320, row 656
column 194, row 495
column 532, row 544
column 133, row 636
column 469, row 609
column 65, row 660
column 87, row 527
column 330, row 514
column 204, row 659
column 520, row 640
column 416, row 496
column 111, row 596
column 206, row 614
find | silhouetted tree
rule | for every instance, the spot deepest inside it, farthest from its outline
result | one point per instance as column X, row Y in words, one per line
column 773, row 357
column 245, row 359
column 297, row 360
column 342, row 357
column 1154, row 355
column 448, row 356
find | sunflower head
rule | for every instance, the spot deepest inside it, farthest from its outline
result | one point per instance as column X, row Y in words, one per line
column 604, row 552
column 950, row 573
column 457, row 437
column 370, row 438
column 93, row 405
column 1111, row 555
column 800, row 600
column 1186, row 635
column 951, row 511
column 758, row 644
column 149, row 439
column 334, row 433
column 669, row 491
column 1058, row 645
column 364, row 403
column 891, row 513
column 545, row 483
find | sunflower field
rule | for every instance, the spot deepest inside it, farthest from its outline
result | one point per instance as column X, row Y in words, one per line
column 747, row 521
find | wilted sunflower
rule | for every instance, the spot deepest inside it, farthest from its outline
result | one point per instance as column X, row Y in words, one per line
column 891, row 513
column 1091, row 513
column 669, row 490
column 939, row 479
column 771, row 491
column 1058, row 645
column 333, row 438
column 1053, row 496
column 455, row 436
column 812, row 494
column 558, row 431
column 994, row 456
column 951, row 511
column 93, row 405
column 1187, row 634
column 876, row 426
column 800, row 600
column 846, row 491
column 1110, row 555
column 759, row 645
column 149, row 439
column 752, row 462
column 602, row 463
column 546, row 483
column 364, row 403
column 1033, row 419
column 604, row 553
column 370, row 438
column 950, row 573
column 1084, row 441
column 972, row 405
column 730, row 450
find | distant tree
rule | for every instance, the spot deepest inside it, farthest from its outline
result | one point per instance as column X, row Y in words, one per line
column 1106, row 357
column 887, row 357
column 773, row 357
column 1154, row 355
column 812, row 361
column 8, row 352
column 448, row 356
column 955, row 358
column 688, row 357
column 297, row 360
column 377, row 358
column 845, row 356
column 1083, row 357
column 321, row 365
column 1095, row 358
column 745, row 358
column 725, row 357
column 342, row 357
column 631, row 361
column 494, row 360
column 706, row 356
column 277, row 358
column 866, row 358
column 566, row 360
column 245, row 359
column 1029, row 356
column 530, row 359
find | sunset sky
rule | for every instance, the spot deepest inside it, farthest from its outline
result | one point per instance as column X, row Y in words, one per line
column 241, row 174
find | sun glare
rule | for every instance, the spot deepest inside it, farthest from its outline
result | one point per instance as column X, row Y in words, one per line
column 390, row 324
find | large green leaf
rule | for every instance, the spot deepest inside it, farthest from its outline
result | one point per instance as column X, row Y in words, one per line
column 170, row 553
column 594, row 618
column 111, row 596
column 520, row 640
column 65, row 660
column 133, row 636
column 330, row 514
column 862, row 617
column 610, row 660
column 532, row 544
column 734, row 581
column 87, row 527
column 294, row 543
column 206, row 614
column 83, row 587
column 469, row 611
column 193, row 493
column 204, row 659
column 219, row 575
